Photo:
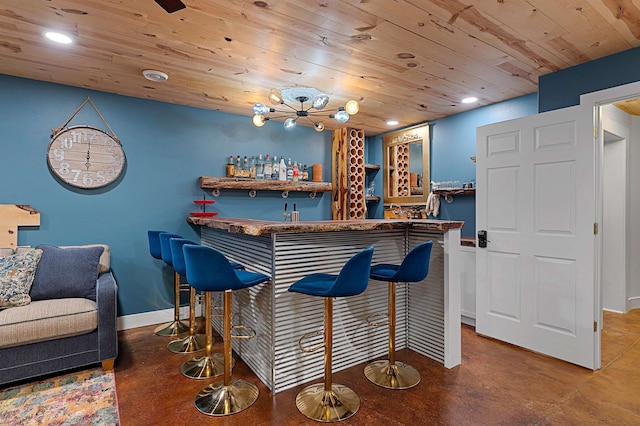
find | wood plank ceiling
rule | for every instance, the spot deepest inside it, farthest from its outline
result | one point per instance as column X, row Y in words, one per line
column 409, row 60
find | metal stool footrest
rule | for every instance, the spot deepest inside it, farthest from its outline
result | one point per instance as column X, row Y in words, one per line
column 248, row 332
column 308, row 336
column 378, row 319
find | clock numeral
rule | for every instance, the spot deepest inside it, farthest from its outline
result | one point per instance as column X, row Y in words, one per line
column 87, row 179
column 111, row 143
column 64, row 169
column 66, row 143
column 58, row 154
column 77, row 174
column 100, row 177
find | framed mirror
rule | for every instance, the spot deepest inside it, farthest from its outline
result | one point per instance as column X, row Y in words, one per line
column 406, row 166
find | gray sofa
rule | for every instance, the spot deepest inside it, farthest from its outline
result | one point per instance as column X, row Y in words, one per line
column 66, row 331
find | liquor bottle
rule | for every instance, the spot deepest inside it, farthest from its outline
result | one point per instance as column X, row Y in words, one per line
column 296, row 172
column 275, row 169
column 231, row 170
column 238, row 170
column 283, row 169
column 289, row 170
column 252, row 167
column 305, row 173
column 268, row 168
column 260, row 168
column 245, row 167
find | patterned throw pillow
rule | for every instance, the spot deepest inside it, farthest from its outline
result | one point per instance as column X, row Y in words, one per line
column 16, row 276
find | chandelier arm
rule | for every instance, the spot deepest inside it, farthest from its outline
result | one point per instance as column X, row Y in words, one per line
column 288, row 106
column 311, row 120
column 286, row 114
column 324, row 112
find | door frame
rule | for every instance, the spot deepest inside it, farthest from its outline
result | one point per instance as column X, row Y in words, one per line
column 596, row 100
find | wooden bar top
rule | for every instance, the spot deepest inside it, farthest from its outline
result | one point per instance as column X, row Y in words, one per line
column 261, row 227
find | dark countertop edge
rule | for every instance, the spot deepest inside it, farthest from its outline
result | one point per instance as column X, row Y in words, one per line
column 261, row 227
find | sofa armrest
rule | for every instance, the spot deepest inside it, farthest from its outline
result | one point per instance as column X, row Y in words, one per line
column 106, row 300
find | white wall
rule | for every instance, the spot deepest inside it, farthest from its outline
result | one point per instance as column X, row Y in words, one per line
column 633, row 218
column 621, row 204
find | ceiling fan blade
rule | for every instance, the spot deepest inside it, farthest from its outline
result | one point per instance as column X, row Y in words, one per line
column 171, row 5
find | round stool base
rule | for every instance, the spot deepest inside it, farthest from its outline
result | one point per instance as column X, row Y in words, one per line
column 188, row 344
column 174, row 328
column 397, row 376
column 219, row 400
column 327, row 406
column 205, row 367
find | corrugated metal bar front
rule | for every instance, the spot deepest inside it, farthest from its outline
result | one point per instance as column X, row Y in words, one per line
column 252, row 307
column 354, row 341
column 426, row 301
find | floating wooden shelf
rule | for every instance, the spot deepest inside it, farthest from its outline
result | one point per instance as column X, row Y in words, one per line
column 449, row 193
column 373, row 198
column 459, row 191
column 217, row 183
column 371, row 167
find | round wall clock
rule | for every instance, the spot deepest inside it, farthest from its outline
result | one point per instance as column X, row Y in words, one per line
column 85, row 157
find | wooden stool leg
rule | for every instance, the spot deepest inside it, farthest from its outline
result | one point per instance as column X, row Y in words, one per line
column 328, row 401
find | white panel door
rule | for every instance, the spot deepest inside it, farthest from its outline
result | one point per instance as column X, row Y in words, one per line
column 535, row 199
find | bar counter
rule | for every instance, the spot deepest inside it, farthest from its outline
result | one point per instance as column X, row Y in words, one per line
column 428, row 312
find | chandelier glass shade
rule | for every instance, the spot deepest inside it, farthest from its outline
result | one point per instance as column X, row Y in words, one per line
column 314, row 108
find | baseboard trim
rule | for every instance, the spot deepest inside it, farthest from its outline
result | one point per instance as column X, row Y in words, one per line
column 144, row 319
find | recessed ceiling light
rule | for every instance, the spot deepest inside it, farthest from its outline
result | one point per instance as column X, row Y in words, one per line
column 155, row 75
column 58, row 37
column 469, row 100
column 392, row 123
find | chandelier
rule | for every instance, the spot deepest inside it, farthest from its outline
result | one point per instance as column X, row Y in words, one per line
column 313, row 110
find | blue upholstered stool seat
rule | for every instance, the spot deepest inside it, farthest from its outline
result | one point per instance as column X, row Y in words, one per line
column 331, row 402
column 414, row 268
column 159, row 240
column 209, row 270
column 154, row 244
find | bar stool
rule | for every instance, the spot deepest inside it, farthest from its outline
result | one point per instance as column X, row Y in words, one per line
column 414, row 267
column 332, row 402
column 209, row 270
column 176, row 327
column 192, row 342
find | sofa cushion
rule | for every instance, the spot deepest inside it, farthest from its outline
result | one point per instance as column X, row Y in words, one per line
column 66, row 272
column 47, row 320
column 17, row 272
column 105, row 258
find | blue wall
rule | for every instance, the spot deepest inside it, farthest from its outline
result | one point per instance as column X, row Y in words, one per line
column 167, row 147
column 453, row 141
column 563, row 88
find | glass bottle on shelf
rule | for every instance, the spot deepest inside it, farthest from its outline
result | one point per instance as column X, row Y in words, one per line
column 289, row 170
column 283, row 169
column 260, row 168
column 275, row 169
column 305, row 173
column 295, row 172
column 238, row 169
column 231, row 169
column 252, row 167
column 268, row 167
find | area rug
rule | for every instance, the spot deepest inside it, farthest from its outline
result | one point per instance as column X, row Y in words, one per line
column 87, row 397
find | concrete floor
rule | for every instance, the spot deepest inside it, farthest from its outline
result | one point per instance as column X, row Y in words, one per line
column 496, row 384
